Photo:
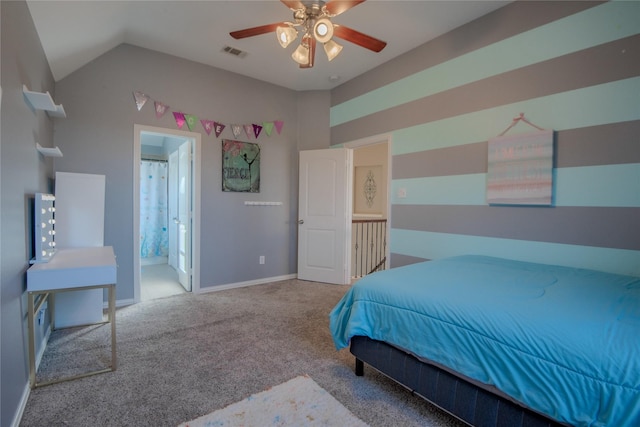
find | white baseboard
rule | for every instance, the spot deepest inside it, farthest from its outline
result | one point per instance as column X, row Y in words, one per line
column 154, row 260
column 131, row 301
column 23, row 404
column 247, row 283
column 27, row 387
column 119, row 303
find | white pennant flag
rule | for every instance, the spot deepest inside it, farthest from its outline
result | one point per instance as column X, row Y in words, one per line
column 140, row 98
column 237, row 130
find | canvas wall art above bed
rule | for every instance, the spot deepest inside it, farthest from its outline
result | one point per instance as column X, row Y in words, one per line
column 559, row 341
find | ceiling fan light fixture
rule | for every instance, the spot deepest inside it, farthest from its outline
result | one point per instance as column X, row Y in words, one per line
column 301, row 54
column 323, row 30
column 332, row 49
column 286, row 35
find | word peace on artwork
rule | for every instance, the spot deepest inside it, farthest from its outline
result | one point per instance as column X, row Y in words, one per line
column 240, row 166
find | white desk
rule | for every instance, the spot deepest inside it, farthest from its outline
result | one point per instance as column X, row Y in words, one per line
column 71, row 270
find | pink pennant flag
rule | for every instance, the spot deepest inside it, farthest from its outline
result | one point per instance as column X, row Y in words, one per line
column 140, row 98
column 268, row 127
column 219, row 127
column 180, row 119
column 191, row 121
column 248, row 129
column 207, row 125
column 237, row 130
column 160, row 109
column 279, row 124
column 256, row 130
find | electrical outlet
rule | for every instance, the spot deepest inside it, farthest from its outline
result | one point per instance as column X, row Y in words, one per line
column 402, row 193
column 261, row 259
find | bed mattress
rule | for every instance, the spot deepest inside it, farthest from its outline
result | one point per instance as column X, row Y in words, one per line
column 563, row 341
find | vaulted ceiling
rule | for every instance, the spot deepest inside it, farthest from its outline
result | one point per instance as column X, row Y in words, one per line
column 74, row 33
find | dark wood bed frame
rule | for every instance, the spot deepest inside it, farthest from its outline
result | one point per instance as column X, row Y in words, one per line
column 460, row 397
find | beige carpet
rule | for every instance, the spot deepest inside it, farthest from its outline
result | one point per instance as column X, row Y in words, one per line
column 188, row 355
column 297, row 402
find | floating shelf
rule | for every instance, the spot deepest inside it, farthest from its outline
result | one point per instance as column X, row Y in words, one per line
column 251, row 203
column 43, row 101
column 49, row 152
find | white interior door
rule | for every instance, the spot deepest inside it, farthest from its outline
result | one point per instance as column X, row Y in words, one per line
column 172, row 223
column 184, row 215
column 324, row 215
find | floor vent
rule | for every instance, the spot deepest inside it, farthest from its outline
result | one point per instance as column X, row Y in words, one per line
column 235, row 52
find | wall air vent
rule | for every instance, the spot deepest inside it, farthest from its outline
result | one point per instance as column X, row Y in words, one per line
column 235, row 52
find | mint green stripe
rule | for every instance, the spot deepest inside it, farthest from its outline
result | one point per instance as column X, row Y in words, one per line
column 441, row 190
column 594, row 26
column 606, row 186
column 596, row 105
column 439, row 245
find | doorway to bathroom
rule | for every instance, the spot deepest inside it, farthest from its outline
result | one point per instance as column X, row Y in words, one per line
column 166, row 196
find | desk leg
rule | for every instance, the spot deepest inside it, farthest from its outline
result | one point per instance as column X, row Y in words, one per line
column 112, row 319
column 32, row 338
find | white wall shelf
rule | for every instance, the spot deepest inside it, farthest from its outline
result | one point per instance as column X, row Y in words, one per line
column 43, row 101
column 49, row 152
column 251, row 203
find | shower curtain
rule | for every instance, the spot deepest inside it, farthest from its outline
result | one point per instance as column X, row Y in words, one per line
column 154, row 236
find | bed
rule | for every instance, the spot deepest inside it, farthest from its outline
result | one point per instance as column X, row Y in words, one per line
column 501, row 342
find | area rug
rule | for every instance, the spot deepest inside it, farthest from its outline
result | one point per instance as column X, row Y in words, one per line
column 298, row 402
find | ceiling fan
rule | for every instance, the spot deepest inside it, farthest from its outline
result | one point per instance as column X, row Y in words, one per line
column 314, row 20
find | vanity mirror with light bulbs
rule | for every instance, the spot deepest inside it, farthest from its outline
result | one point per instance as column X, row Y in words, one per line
column 44, row 245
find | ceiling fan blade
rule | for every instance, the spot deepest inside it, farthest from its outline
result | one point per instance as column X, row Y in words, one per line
column 256, row 31
column 356, row 37
column 293, row 4
column 336, row 7
column 312, row 53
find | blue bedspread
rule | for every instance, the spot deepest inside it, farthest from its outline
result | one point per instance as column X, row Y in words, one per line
column 563, row 341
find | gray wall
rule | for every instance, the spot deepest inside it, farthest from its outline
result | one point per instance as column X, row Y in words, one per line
column 97, row 137
column 24, row 172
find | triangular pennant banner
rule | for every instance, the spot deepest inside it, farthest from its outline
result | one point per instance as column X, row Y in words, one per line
column 140, row 98
column 256, row 130
column 268, row 127
column 160, row 109
column 248, row 129
column 219, row 127
column 279, row 124
column 191, row 120
column 207, row 125
column 180, row 119
column 237, row 130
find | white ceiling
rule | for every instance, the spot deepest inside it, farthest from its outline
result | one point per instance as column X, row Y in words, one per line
column 74, row 33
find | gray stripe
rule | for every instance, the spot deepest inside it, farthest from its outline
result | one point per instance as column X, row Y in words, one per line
column 597, row 65
column 399, row 260
column 514, row 18
column 457, row 160
column 607, row 227
column 609, row 144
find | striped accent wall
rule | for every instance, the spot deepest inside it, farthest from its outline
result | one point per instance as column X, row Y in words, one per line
column 573, row 67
